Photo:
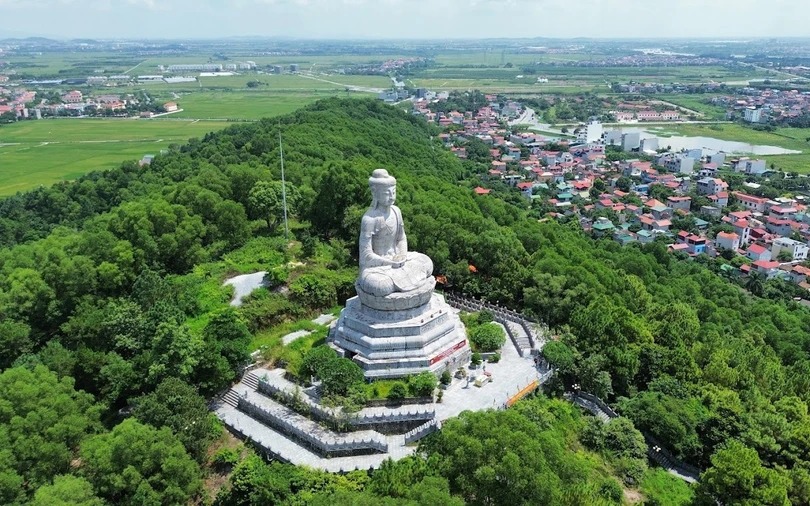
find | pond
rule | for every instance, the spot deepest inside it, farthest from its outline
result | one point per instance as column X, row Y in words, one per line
column 712, row 144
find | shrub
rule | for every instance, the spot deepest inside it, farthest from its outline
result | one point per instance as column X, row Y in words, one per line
column 398, row 391
column 225, row 458
column 485, row 316
column 475, row 359
column 314, row 291
column 339, row 375
column 315, row 359
column 422, row 385
column 488, row 337
column 446, row 378
column 495, row 358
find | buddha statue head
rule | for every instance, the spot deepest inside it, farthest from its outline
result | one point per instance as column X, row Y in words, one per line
column 383, row 188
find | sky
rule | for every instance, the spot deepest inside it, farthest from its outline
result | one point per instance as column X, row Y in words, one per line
column 410, row 19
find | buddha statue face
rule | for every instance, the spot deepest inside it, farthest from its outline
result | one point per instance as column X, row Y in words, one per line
column 384, row 195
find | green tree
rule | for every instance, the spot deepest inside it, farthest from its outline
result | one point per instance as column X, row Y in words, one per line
column 138, row 464
column 315, row 361
column 423, row 384
column 42, row 422
column 266, row 201
column 738, row 477
column 66, row 490
column 399, row 390
column 177, row 405
column 488, row 337
column 339, row 375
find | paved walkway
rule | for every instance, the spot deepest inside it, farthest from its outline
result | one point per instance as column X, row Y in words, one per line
column 509, row 376
column 243, row 285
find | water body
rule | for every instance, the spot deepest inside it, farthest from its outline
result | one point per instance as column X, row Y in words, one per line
column 712, row 144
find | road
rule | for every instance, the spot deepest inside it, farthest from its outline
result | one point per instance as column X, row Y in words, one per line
column 530, row 118
column 351, row 87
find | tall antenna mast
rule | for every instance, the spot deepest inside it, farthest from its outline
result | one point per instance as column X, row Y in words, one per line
column 283, row 187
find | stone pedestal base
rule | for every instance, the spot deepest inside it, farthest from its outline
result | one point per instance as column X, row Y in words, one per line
column 396, row 343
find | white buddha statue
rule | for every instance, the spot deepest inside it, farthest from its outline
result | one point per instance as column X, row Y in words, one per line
column 386, row 265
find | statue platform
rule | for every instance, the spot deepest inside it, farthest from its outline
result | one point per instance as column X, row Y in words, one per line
column 392, row 343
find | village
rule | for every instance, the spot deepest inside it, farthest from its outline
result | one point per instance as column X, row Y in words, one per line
column 699, row 203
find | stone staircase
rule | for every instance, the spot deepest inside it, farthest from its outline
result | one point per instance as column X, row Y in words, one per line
column 251, row 380
column 231, row 398
column 522, row 332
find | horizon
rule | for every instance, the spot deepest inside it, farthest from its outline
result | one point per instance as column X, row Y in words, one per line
column 370, row 20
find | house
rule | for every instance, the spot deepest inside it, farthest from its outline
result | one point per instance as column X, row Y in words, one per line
column 757, row 252
column 766, row 267
column 683, row 203
column 777, row 226
column 73, row 97
column 719, row 199
column 749, row 166
column 797, row 250
column 170, row 107
column 711, row 186
column 727, row 240
column 603, row 226
column 711, row 211
column 481, row 191
column 645, row 236
column 754, row 204
column 799, row 273
column 782, row 212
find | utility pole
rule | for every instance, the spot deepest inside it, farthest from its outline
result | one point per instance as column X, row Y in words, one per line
column 283, row 187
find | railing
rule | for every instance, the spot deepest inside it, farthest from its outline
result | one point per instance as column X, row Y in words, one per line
column 422, row 431
column 323, row 443
column 501, row 315
column 337, row 416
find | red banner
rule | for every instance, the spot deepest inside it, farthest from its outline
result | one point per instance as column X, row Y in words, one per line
column 449, row 351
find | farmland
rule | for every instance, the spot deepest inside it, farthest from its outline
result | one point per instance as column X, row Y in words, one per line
column 35, row 153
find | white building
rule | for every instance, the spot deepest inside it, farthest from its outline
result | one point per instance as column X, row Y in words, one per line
column 752, row 115
column 590, row 133
column 749, row 166
column 797, row 249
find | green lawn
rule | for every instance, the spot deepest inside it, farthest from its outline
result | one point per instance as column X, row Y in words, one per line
column 243, row 105
column 34, row 153
column 665, row 489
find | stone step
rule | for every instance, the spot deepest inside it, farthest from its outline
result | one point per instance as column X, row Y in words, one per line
column 250, row 379
column 231, row 398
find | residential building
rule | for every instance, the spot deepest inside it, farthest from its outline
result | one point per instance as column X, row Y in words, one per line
column 757, row 252
column 749, row 166
column 711, row 186
column 683, row 203
column 752, row 114
column 73, row 97
column 798, row 250
column 201, row 67
column 592, row 132
column 631, row 141
column 768, row 268
column 754, row 204
column 718, row 158
column 727, row 240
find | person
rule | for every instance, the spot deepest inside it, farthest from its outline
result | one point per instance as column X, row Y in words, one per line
column 386, row 265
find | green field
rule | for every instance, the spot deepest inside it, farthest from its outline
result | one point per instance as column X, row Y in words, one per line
column 34, row 153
